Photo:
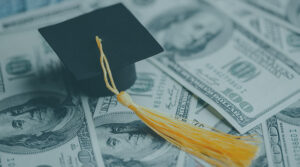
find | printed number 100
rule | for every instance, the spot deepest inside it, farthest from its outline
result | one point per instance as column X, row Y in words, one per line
column 245, row 106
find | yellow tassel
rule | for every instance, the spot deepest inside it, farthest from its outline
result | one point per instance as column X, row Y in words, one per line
column 215, row 147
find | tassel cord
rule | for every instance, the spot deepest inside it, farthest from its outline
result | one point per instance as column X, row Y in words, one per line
column 214, row 147
column 106, row 69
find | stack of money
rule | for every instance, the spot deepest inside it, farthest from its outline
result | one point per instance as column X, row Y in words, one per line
column 230, row 64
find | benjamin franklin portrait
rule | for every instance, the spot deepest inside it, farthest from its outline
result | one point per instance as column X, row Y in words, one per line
column 191, row 32
column 35, row 122
column 127, row 142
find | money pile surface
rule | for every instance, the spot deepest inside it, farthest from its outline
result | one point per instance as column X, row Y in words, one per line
column 231, row 64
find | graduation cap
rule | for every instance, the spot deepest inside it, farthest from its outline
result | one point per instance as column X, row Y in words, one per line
column 125, row 39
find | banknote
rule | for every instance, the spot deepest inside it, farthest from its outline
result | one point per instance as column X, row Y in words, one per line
column 142, row 9
column 285, row 12
column 13, row 7
column 52, row 14
column 283, row 136
column 43, row 121
column 277, row 34
column 224, row 64
column 125, row 140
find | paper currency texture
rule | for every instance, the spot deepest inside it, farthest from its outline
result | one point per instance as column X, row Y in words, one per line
column 42, row 120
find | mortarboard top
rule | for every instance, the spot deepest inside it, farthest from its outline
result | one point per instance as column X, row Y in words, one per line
column 125, row 41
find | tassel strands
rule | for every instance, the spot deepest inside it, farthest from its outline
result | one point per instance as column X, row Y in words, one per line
column 216, row 148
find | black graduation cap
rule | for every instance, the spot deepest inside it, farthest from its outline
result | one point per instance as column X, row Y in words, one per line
column 125, row 41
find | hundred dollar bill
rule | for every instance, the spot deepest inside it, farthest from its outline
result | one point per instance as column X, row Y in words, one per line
column 285, row 12
column 277, row 34
column 43, row 122
column 13, row 7
column 239, row 74
column 282, row 134
column 125, row 140
column 142, row 9
column 44, row 16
